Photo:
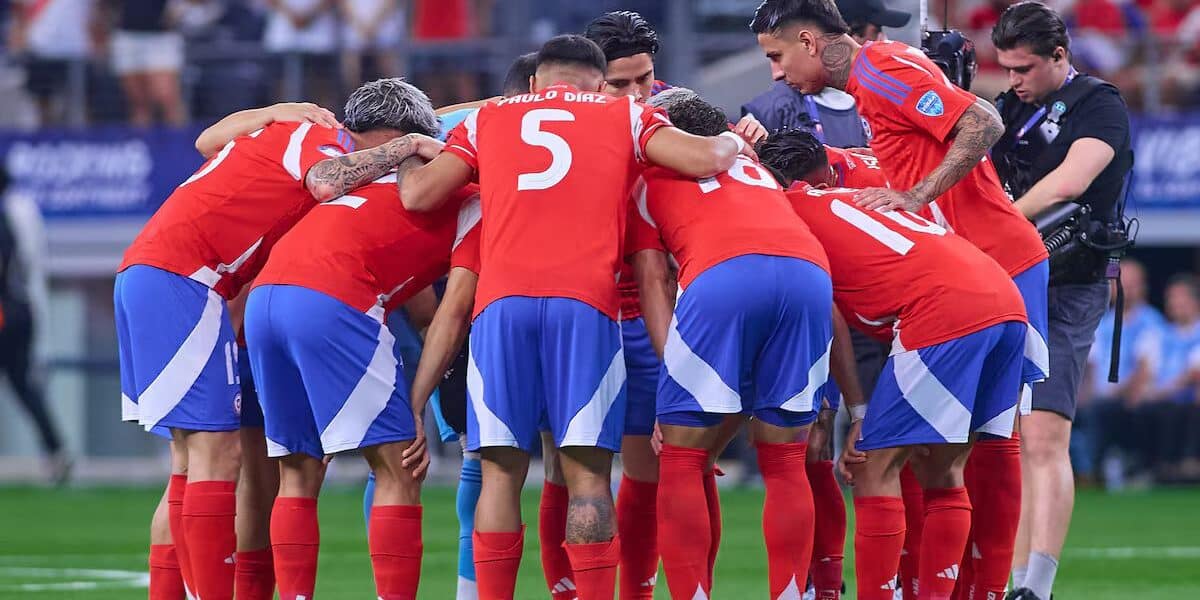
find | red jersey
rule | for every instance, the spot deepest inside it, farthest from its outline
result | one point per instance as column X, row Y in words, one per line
column 218, row 226
column 900, row 269
column 707, row 221
column 366, row 250
column 555, row 170
column 911, row 109
column 855, row 169
column 466, row 250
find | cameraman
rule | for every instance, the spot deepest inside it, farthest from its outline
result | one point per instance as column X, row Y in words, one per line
column 1066, row 139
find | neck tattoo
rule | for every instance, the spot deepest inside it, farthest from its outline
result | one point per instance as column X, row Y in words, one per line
column 836, row 57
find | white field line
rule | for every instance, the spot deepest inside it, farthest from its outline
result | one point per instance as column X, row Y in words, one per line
column 51, row 580
column 1131, row 552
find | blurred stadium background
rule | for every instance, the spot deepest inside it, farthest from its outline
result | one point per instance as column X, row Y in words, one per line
column 97, row 151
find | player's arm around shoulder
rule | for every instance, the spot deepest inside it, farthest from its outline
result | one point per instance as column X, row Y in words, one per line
column 244, row 122
column 428, row 187
column 333, row 177
column 693, row 155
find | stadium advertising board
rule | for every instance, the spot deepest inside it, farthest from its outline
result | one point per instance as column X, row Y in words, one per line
column 1166, row 172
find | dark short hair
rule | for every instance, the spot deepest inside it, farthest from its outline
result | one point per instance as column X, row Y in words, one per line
column 516, row 81
column 1189, row 281
column 1033, row 25
column 773, row 15
column 689, row 112
column 792, row 153
column 622, row 33
column 572, row 50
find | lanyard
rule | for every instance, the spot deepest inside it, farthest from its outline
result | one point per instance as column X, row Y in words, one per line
column 818, row 129
column 1041, row 112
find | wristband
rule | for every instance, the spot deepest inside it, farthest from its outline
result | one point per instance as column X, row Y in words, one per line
column 858, row 412
column 741, row 144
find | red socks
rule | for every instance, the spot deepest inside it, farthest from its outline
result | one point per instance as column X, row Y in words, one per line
column 914, row 518
column 684, row 530
column 993, row 478
column 175, row 492
column 497, row 558
column 552, row 532
column 295, row 541
column 787, row 517
column 637, row 526
column 829, row 535
column 878, row 539
column 714, row 520
column 947, row 523
column 394, row 537
column 208, row 512
column 595, row 567
column 165, row 581
column 254, row 575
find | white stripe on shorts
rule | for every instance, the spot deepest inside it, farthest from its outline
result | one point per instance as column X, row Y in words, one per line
column 275, row 449
column 585, row 427
column 370, row 396
column 492, row 431
column 697, row 377
column 173, row 382
column 1036, row 351
column 1001, row 424
column 818, row 374
column 926, row 395
column 129, row 409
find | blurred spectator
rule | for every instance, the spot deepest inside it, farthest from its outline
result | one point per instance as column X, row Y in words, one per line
column 443, row 74
column 147, row 54
column 1105, row 419
column 371, row 29
column 304, row 33
column 1162, row 423
column 53, row 38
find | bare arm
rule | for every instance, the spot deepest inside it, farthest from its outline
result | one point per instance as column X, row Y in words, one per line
column 445, row 335
column 240, row 123
column 420, row 309
column 842, row 364
column 334, row 177
column 693, row 155
column 1086, row 158
column 426, row 188
column 657, row 290
column 977, row 130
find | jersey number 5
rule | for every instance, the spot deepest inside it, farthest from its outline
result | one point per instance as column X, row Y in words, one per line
column 892, row 239
column 560, row 151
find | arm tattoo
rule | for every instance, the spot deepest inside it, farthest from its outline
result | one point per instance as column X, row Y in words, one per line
column 334, row 177
column 837, row 57
column 589, row 520
column 976, row 131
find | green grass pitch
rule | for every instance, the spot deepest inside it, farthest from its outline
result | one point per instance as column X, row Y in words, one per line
column 91, row 545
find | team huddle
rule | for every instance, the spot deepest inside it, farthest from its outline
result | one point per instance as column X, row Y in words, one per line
column 625, row 271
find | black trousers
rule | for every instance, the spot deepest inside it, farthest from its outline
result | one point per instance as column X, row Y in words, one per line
column 16, row 346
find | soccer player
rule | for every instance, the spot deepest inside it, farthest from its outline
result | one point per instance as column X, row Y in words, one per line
column 545, row 342
column 958, row 336
column 932, row 141
column 176, row 341
column 828, row 167
column 751, row 336
column 328, row 368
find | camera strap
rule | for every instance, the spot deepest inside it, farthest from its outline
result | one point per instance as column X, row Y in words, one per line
column 1041, row 111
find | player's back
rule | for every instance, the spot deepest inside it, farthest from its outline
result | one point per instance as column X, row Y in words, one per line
column 704, row 222
column 856, row 170
column 898, row 267
column 366, row 250
column 555, row 170
column 218, row 226
column 912, row 110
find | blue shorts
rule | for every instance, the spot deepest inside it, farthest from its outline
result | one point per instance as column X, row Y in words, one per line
column 1033, row 283
column 641, row 377
column 545, row 361
column 329, row 377
column 943, row 393
column 252, row 415
column 750, row 334
column 177, row 352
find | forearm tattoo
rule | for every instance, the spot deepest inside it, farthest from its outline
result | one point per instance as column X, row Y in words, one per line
column 837, row 57
column 336, row 176
column 976, row 131
column 589, row 520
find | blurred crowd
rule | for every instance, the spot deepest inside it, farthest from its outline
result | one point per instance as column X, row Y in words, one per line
column 173, row 61
column 1145, row 428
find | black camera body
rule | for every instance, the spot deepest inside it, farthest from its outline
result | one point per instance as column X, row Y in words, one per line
column 1082, row 249
column 953, row 53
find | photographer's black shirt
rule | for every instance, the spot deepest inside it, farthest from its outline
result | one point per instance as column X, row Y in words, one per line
column 1101, row 114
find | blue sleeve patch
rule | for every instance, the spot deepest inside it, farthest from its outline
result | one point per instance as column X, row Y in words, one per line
column 931, row 104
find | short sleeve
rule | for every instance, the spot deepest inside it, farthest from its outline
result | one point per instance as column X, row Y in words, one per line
column 641, row 233
column 1103, row 116
column 461, row 141
column 465, row 252
column 924, row 98
column 645, row 121
column 310, row 144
